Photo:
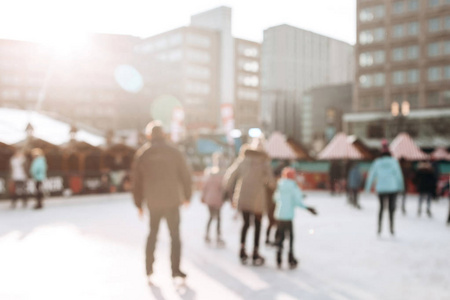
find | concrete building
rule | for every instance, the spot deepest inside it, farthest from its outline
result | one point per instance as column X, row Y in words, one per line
column 403, row 71
column 293, row 61
column 322, row 112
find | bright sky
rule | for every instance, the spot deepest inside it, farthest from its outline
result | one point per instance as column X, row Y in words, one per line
column 50, row 20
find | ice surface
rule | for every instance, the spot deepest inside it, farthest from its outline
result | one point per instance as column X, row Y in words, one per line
column 92, row 247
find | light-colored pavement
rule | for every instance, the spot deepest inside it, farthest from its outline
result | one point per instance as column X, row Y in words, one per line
column 92, row 248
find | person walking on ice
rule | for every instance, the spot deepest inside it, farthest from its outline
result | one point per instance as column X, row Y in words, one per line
column 162, row 180
column 287, row 196
column 213, row 194
column 387, row 174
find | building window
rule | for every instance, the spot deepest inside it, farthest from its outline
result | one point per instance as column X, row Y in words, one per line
column 433, row 98
column 198, row 56
column 398, row 31
column 371, row 36
column 368, row 59
column 198, row 40
column 413, row 5
column 372, row 80
column 249, row 66
column 447, row 23
column 447, row 47
column 379, row 79
column 413, row 52
column 378, row 102
column 193, row 87
column 198, row 72
column 434, row 74
column 433, row 49
column 447, row 72
column 433, row 3
column 446, row 97
column 412, row 76
column 397, row 54
column 372, row 13
column 434, row 25
column 398, row 77
column 413, row 28
column 398, row 7
column 413, row 100
column 251, row 81
column 365, row 102
column 250, row 52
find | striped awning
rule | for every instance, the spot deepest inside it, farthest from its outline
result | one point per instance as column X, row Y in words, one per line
column 277, row 147
column 440, row 154
column 340, row 148
column 404, row 146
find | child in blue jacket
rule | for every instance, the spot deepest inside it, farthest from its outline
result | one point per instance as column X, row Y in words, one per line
column 287, row 196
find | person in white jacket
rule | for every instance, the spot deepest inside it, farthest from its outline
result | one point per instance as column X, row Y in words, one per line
column 18, row 166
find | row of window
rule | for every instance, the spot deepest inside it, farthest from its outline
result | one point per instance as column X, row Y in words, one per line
column 377, row 12
column 192, row 39
column 377, row 57
column 401, row 77
column 198, row 72
column 248, row 94
column 250, row 81
column 248, row 65
column 196, row 87
column 403, row 30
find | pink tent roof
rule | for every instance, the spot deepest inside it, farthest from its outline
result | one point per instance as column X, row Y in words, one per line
column 340, row 148
column 277, row 147
column 440, row 154
column 404, row 146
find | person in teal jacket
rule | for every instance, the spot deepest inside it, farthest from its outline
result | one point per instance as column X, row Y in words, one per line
column 38, row 171
column 385, row 171
column 287, row 196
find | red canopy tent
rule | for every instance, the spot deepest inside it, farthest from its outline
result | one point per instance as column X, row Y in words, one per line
column 404, row 146
column 340, row 148
column 440, row 154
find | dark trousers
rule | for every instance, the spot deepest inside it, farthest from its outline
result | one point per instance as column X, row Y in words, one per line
column 353, row 196
column 422, row 197
column 390, row 198
column 272, row 221
column 257, row 221
column 403, row 194
column 39, row 194
column 214, row 213
column 172, row 216
column 285, row 228
column 20, row 191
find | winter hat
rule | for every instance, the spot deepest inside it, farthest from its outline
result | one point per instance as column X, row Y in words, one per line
column 288, row 172
column 384, row 146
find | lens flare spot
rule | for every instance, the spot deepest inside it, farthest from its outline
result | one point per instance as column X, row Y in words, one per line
column 129, row 78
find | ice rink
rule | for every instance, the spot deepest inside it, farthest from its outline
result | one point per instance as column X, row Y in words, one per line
column 92, row 247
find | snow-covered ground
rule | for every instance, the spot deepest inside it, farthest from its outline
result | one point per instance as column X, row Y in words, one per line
column 92, row 247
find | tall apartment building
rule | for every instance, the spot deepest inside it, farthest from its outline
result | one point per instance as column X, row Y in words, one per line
column 293, row 61
column 403, row 71
column 206, row 69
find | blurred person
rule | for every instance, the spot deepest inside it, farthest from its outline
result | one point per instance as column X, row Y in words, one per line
column 387, row 174
column 162, row 180
column 18, row 167
column 446, row 188
column 426, row 182
column 334, row 176
column 270, row 204
column 354, row 181
column 213, row 194
column 38, row 171
column 247, row 180
column 407, row 172
column 287, row 196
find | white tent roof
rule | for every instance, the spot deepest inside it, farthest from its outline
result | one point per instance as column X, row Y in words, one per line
column 277, row 147
column 14, row 121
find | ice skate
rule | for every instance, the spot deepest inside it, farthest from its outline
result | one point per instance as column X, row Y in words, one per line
column 207, row 239
column 292, row 261
column 243, row 256
column 220, row 243
column 279, row 259
column 179, row 279
column 429, row 213
column 257, row 259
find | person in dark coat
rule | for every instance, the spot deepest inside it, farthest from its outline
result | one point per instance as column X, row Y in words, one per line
column 161, row 180
column 426, row 182
column 354, row 182
column 406, row 171
column 248, row 180
column 334, row 176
